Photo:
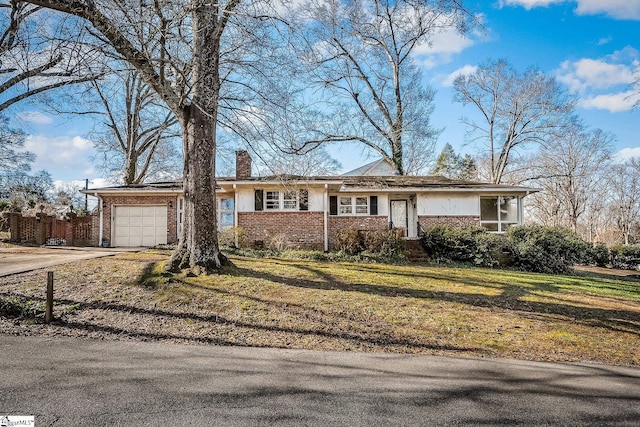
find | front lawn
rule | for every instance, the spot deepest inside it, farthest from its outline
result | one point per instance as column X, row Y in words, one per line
column 468, row 312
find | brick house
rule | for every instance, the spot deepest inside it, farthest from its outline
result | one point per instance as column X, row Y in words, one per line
column 308, row 212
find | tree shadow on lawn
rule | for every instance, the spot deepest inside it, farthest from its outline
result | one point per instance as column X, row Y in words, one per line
column 503, row 279
column 615, row 320
column 372, row 337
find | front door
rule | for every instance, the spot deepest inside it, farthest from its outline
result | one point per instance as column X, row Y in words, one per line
column 399, row 215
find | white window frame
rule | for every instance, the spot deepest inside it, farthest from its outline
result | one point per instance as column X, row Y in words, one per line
column 353, row 206
column 225, row 211
column 284, row 202
column 275, row 203
column 287, row 199
column 502, row 225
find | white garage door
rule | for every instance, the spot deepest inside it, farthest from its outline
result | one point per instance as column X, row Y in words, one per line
column 139, row 225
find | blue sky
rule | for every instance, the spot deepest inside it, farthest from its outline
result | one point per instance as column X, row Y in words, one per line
column 591, row 46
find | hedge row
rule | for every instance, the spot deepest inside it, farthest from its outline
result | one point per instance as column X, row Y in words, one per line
column 530, row 248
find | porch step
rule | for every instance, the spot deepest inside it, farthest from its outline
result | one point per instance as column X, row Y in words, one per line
column 415, row 252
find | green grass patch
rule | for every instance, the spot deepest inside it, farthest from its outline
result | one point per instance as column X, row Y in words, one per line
column 408, row 308
column 350, row 306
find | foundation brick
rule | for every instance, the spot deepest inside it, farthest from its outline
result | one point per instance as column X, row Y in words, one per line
column 283, row 230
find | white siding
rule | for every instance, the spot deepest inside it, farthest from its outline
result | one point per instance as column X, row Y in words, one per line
column 448, row 205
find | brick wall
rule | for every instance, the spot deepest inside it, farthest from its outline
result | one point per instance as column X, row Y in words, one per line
column 283, row 230
column 339, row 223
column 111, row 201
column 45, row 229
column 451, row 221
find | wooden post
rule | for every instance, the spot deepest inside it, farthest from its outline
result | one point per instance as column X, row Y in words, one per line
column 48, row 314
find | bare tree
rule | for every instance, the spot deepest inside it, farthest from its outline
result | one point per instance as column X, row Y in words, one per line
column 569, row 171
column 624, row 184
column 515, row 109
column 360, row 55
column 34, row 59
column 191, row 54
column 136, row 139
column 12, row 157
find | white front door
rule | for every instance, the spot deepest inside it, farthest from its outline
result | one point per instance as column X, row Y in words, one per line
column 139, row 225
column 399, row 215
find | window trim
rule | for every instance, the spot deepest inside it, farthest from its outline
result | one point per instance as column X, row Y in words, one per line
column 295, row 202
column 267, row 200
column 353, row 206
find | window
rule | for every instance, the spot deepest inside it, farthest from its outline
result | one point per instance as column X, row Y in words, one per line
column 273, row 200
column 353, row 205
column 345, row 206
column 290, row 200
column 225, row 213
column 362, row 205
column 497, row 214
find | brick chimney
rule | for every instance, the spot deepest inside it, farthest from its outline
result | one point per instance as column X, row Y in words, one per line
column 243, row 165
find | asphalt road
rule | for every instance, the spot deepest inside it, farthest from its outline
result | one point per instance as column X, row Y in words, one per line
column 67, row 382
column 21, row 260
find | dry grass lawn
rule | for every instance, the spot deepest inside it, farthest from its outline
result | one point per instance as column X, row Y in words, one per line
column 304, row 304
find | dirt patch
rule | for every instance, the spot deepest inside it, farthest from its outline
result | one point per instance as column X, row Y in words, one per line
column 609, row 272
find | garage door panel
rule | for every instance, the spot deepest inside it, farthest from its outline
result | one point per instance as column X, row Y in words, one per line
column 140, row 225
column 150, row 211
column 149, row 231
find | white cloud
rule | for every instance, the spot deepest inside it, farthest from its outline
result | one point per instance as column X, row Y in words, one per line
column 589, row 73
column 60, row 152
column 442, row 48
column 35, row 117
column 80, row 183
column 603, row 83
column 614, row 102
column 618, row 9
column 626, row 154
column 465, row 70
column 529, row 4
column 605, row 40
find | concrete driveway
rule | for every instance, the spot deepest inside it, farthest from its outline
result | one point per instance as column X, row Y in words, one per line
column 74, row 382
column 22, row 259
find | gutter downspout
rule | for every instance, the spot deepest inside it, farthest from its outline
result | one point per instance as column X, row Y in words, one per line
column 235, row 214
column 325, row 212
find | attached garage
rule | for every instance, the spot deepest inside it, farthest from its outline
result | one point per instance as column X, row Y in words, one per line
column 139, row 225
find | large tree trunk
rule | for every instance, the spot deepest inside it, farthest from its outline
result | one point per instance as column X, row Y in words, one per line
column 198, row 248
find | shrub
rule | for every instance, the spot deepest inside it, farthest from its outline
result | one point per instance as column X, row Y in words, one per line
column 227, row 237
column 625, row 257
column 384, row 243
column 348, row 241
column 471, row 245
column 600, row 255
column 546, row 249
